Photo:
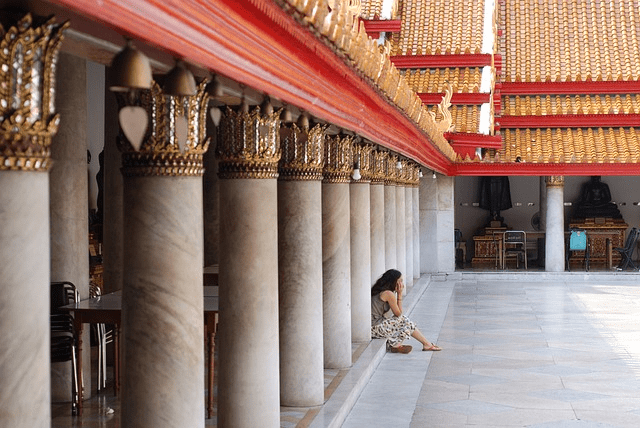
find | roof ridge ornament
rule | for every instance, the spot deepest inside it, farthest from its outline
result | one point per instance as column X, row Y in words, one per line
column 445, row 124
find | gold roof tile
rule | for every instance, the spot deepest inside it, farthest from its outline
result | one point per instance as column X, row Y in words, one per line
column 371, row 9
column 569, row 145
column 521, row 105
column 435, row 28
column 464, row 118
column 435, row 80
column 547, row 40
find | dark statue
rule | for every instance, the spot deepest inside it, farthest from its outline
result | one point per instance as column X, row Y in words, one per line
column 495, row 196
column 595, row 201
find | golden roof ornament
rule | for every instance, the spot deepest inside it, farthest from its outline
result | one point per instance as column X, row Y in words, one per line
column 338, row 161
column 444, row 125
column 302, row 152
column 163, row 135
column 362, row 157
column 28, row 58
column 248, row 144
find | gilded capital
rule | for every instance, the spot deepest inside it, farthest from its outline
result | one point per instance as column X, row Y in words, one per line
column 248, row 144
column 338, row 162
column 28, row 57
column 174, row 141
column 378, row 166
column 362, row 156
column 302, row 152
column 554, row 181
column 391, row 170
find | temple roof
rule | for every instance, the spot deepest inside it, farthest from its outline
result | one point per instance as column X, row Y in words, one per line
column 570, row 40
column 541, row 105
column 462, row 80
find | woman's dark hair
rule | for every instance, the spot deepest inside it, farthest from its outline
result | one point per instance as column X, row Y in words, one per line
column 386, row 282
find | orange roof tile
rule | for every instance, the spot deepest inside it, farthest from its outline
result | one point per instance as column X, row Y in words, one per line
column 570, row 104
column 465, row 118
column 434, row 80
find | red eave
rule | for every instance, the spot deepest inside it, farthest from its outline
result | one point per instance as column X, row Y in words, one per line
column 586, row 87
column 466, row 143
column 544, row 169
column 377, row 26
column 457, row 98
column 257, row 43
column 570, row 121
column 443, row 61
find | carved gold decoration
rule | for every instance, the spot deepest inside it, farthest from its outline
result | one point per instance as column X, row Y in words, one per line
column 340, row 27
column 338, row 162
column 444, row 124
column 28, row 57
column 378, row 166
column 249, row 144
column 175, row 141
column 554, row 181
column 302, row 152
column 391, row 170
column 362, row 155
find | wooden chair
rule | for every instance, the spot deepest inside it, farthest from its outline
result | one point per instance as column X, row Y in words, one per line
column 627, row 251
column 514, row 243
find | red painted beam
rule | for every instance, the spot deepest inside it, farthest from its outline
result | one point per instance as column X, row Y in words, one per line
column 257, row 43
column 442, row 61
column 570, row 121
column 457, row 98
column 382, row 25
column 542, row 169
column 586, row 87
column 466, row 143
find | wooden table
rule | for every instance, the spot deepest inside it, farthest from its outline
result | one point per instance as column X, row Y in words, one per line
column 107, row 309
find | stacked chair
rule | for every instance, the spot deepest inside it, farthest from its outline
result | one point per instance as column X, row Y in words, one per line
column 103, row 337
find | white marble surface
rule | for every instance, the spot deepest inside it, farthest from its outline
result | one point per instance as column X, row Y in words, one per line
column 25, row 386
column 162, row 307
column 554, row 236
column 360, row 213
column 408, row 227
column 390, row 225
column 401, row 237
column 378, row 247
column 69, row 203
column 248, row 372
column 416, row 232
column 300, row 293
column 336, row 275
column 437, row 252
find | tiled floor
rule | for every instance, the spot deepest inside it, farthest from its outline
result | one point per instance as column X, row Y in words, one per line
column 554, row 353
column 520, row 350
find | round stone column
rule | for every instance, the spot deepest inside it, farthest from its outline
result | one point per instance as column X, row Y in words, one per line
column 416, row 222
column 554, row 234
column 390, row 223
column 162, row 304
column 336, row 252
column 408, row 224
column 360, row 209
column 69, row 205
column 248, row 151
column 401, row 237
column 377, row 216
column 25, row 140
column 300, row 265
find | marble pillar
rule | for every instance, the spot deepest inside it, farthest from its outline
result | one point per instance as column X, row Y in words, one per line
column 543, row 203
column 437, row 246
column 336, row 252
column 360, row 212
column 248, row 339
column 25, row 375
column 408, row 224
column 416, row 228
column 401, row 238
column 390, row 223
column 376, row 189
column 211, row 202
column 554, row 235
column 69, row 206
column 162, row 305
column 300, row 266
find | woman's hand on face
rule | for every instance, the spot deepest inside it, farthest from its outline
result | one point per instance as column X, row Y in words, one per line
column 399, row 286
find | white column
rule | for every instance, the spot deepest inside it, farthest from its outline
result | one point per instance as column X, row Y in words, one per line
column 437, row 252
column 69, row 205
column 249, row 375
column 401, row 238
column 360, row 212
column 390, row 255
column 554, row 235
column 416, row 230
column 300, row 266
column 377, row 231
column 408, row 223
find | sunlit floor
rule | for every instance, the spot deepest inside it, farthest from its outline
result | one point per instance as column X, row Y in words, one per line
column 517, row 353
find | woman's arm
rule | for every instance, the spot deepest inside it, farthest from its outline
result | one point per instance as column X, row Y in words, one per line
column 395, row 302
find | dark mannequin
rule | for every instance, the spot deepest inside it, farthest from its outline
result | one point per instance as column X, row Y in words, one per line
column 595, row 201
column 495, row 196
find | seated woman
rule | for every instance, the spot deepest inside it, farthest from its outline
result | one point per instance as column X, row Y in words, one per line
column 398, row 328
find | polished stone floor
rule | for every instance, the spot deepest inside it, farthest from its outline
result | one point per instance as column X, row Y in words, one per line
column 523, row 351
column 520, row 350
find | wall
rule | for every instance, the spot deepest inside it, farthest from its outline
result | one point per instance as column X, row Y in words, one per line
column 95, row 124
column 525, row 197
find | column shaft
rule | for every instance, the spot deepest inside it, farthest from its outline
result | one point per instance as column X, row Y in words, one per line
column 416, row 232
column 25, row 394
column 249, row 387
column 408, row 223
column 401, row 239
column 360, row 209
column 377, row 231
column 300, row 291
column 162, row 310
column 336, row 275
column 554, row 235
column 390, row 240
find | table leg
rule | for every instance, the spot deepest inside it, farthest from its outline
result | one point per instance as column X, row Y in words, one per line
column 78, row 326
column 210, row 331
column 116, row 359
